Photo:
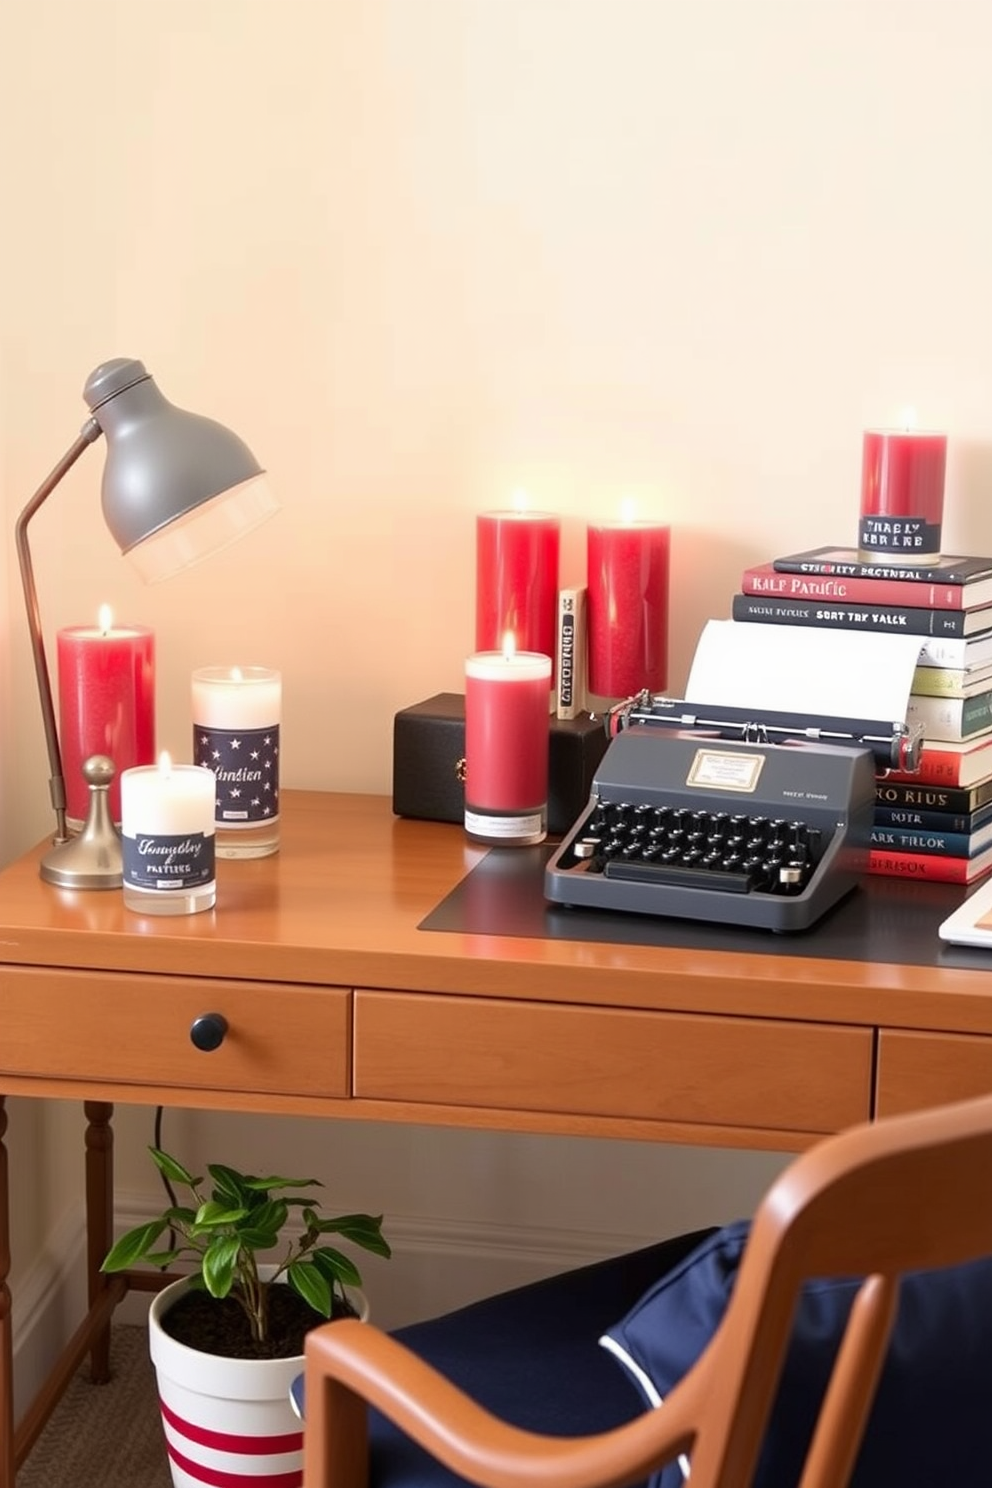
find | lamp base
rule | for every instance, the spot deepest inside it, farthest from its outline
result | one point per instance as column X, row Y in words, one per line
column 93, row 860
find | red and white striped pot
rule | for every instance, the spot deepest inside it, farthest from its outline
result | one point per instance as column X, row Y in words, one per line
column 228, row 1422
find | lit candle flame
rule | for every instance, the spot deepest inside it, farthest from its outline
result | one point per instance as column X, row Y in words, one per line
column 521, row 501
column 509, row 646
column 237, row 675
column 908, row 420
column 165, row 763
column 628, row 510
column 105, row 619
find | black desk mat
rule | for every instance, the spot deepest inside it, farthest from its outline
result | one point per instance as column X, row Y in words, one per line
column 885, row 919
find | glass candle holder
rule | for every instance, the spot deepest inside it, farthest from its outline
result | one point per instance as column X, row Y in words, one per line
column 507, row 736
column 236, row 718
column 167, row 838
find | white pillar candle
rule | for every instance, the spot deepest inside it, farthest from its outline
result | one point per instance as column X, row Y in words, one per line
column 167, row 838
column 237, row 713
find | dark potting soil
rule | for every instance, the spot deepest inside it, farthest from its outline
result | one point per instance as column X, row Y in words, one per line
column 221, row 1326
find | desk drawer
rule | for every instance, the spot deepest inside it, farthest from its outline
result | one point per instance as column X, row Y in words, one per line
column 280, row 1038
column 610, row 1062
column 929, row 1069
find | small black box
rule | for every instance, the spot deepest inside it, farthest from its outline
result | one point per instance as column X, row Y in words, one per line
column 429, row 745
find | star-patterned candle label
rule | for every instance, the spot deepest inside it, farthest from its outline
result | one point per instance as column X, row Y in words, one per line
column 246, row 764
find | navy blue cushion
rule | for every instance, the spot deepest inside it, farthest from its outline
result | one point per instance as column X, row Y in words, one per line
column 531, row 1356
column 932, row 1418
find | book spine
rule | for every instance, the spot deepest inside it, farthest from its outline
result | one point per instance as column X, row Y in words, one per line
column 951, row 720
column 919, row 796
column 942, row 651
column 764, row 579
column 903, row 620
column 940, row 844
column 918, row 866
column 906, row 819
column 570, row 671
column 937, row 767
column 942, row 682
column 888, row 572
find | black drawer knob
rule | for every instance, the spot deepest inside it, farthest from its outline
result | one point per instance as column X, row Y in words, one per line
column 208, row 1031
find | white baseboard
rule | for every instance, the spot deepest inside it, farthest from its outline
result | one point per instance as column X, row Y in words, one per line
column 437, row 1264
column 47, row 1304
column 441, row 1264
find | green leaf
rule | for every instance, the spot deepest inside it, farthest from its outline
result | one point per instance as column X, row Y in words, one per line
column 134, row 1246
column 211, row 1214
column 179, row 1215
column 361, row 1229
column 312, row 1286
column 218, row 1265
column 251, row 1238
column 269, row 1215
column 229, row 1184
column 267, row 1183
column 336, row 1266
column 172, row 1169
column 163, row 1258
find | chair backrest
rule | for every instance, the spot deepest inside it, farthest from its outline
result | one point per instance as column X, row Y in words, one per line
column 903, row 1194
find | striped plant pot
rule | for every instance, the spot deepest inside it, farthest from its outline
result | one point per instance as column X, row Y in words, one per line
column 227, row 1422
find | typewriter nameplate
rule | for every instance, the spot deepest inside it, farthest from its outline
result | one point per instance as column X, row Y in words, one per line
column 717, row 769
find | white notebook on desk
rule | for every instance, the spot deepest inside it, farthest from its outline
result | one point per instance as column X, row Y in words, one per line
column 971, row 922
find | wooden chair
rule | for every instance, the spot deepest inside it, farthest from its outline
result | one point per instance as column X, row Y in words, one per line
column 903, row 1194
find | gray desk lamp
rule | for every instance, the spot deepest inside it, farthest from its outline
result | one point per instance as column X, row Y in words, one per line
column 176, row 487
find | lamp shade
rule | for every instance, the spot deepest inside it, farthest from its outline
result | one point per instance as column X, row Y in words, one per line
column 176, row 485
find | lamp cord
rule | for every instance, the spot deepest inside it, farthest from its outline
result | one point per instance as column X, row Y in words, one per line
column 170, row 1191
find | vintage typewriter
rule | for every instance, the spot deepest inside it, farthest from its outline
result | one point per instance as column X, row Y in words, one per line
column 711, row 814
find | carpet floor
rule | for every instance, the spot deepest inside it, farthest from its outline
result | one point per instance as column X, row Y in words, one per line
column 105, row 1436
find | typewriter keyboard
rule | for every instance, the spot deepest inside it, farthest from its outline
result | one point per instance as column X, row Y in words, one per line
column 674, row 845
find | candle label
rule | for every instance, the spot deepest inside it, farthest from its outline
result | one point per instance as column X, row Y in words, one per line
column 495, row 826
column 246, row 764
column 898, row 535
column 160, row 861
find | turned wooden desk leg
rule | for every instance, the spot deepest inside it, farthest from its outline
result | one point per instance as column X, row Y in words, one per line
column 6, row 1324
column 99, row 1218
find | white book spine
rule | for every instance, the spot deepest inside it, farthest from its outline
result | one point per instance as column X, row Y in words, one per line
column 956, row 651
column 570, row 670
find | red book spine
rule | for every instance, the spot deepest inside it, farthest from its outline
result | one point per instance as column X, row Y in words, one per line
column 937, row 767
column 926, row 866
column 765, row 579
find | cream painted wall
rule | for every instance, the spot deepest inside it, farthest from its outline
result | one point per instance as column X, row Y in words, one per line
column 25, row 1118
column 422, row 252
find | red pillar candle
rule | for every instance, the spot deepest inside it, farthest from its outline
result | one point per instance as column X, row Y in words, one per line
column 106, row 689
column 507, row 737
column 627, row 577
column 902, row 496
column 516, row 588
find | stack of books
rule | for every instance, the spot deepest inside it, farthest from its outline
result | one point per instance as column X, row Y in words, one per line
column 936, row 824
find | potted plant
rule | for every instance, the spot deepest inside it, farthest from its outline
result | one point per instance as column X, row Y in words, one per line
column 227, row 1339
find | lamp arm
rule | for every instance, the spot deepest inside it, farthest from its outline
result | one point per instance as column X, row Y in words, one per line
column 88, row 435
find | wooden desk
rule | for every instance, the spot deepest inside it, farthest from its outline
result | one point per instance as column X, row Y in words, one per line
column 336, row 1004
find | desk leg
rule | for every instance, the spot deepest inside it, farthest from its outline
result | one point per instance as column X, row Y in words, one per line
column 6, row 1338
column 99, row 1219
